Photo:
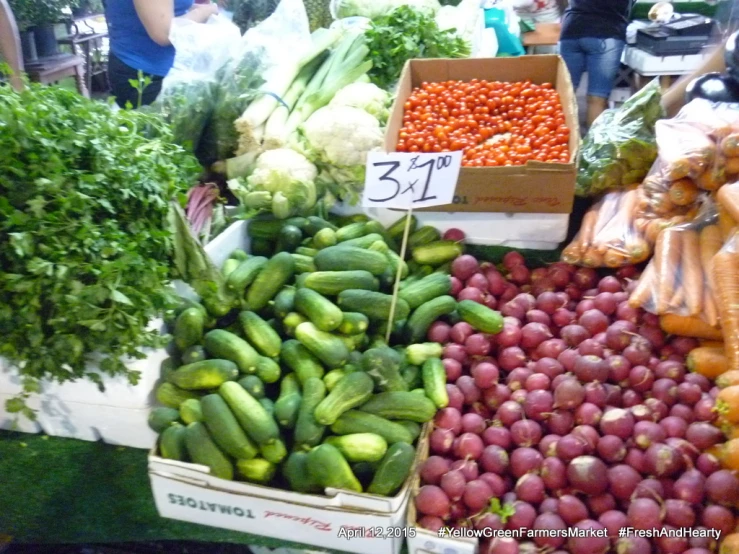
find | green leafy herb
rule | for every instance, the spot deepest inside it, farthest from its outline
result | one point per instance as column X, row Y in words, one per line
column 85, row 248
column 503, row 511
column 405, row 34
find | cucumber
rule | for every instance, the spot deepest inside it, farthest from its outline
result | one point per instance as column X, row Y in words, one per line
column 333, row 377
column 208, row 374
column 423, row 235
column 363, row 242
column 375, row 305
column 308, row 432
column 167, row 366
column 161, row 418
column 305, row 251
column 284, row 302
column 401, row 405
column 229, row 346
column 421, row 319
column 268, row 406
column 261, row 334
column 355, row 421
column 275, row 452
column 327, row 467
column 291, row 322
column 303, row 264
column 412, row 376
column 425, row 289
column 229, row 266
column 203, row 450
column 434, row 382
column 172, row 396
column 343, row 258
column 417, row 354
column 301, row 361
column 480, row 317
column 256, row 470
column 332, row 283
column 397, row 229
column 224, row 428
column 288, row 403
column 393, row 470
column 188, row 329
column 268, row 370
column 383, row 366
column 295, row 472
column 375, row 227
column 317, row 308
column 395, row 261
column 252, row 416
column 353, row 323
column 351, row 231
column 275, row 274
column 300, row 222
column 262, row 247
column 193, row 354
column 324, row 238
column 172, row 443
column 360, row 447
column 244, row 275
column 364, row 471
column 325, row 346
column 289, row 238
column 253, row 385
column 412, row 427
column 351, row 391
column 238, row 255
column 191, row 411
column 264, row 228
column 437, row 252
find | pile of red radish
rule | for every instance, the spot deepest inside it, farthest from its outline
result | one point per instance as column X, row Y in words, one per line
column 580, row 413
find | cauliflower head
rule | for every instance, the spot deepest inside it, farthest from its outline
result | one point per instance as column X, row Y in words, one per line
column 366, row 96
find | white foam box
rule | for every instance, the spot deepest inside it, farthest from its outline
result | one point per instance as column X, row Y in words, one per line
column 79, row 410
column 188, row 492
column 649, row 65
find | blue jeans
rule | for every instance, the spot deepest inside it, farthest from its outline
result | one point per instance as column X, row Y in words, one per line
column 600, row 57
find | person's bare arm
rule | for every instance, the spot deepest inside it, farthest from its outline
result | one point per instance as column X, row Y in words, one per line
column 674, row 98
column 157, row 17
column 10, row 47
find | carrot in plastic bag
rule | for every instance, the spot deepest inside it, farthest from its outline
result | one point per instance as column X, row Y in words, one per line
column 710, row 311
column 575, row 251
column 686, row 326
column 728, row 197
column 666, row 261
column 683, row 192
column 710, row 243
column 726, row 279
column 730, row 145
column 692, row 272
column 644, row 288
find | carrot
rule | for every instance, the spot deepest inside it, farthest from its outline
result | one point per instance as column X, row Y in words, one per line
column 711, row 343
column 667, row 262
column 587, row 228
column 730, row 145
column 727, row 404
column 728, row 197
column 728, row 378
column 707, row 361
column 679, row 169
column 677, row 302
column 683, row 192
column 726, row 280
column 592, row 258
column 644, row 288
column 616, row 257
column 709, row 307
column 654, row 228
column 692, row 274
column 661, row 204
column 638, row 249
column 712, row 178
column 688, row 327
column 732, row 166
column 710, row 243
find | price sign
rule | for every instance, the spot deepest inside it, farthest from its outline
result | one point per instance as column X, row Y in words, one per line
column 409, row 180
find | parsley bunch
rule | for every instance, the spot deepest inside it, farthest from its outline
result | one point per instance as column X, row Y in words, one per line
column 85, row 249
column 405, row 34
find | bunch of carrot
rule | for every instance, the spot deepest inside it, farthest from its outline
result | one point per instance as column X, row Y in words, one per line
column 725, row 276
column 607, row 236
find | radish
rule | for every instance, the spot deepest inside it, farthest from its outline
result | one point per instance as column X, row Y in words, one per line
column 494, row 459
column 453, row 484
column 560, row 422
column 523, row 516
column 431, row 500
column 478, row 281
column 525, row 460
column 555, row 525
column 537, row 405
column 459, row 332
column 554, row 474
column 588, row 475
column 441, row 441
column 571, row 509
column 679, row 513
column 663, row 461
column 499, row 436
column 530, row 488
column 477, row 495
column 591, row 368
column 477, row 345
column 454, row 234
column 594, row 321
column 690, row 486
column 722, row 487
column 548, row 445
column 453, row 369
column 573, row 335
column 468, row 446
column 432, row 523
column 601, row 503
column 485, row 374
column 473, row 423
column 494, row 396
column 464, row 267
column 622, row 481
column 526, row 433
column 439, row 332
column 469, row 469
column 611, row 448
column 613, row 521
column 433, row 469
column 644, row 513
column 718, row 517
column 569, row 394
column 449, row 418
column 618, row 422
column 591, row 542
column 570, row 447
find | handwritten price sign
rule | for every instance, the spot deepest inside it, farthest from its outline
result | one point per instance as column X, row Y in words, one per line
column 410, row 180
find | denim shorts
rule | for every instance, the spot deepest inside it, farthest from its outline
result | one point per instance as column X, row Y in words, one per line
column 599, row 57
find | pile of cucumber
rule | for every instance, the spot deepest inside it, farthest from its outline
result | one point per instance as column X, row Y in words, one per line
column 296, row 386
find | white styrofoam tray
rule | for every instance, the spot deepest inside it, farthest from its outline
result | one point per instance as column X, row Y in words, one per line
column 648, row 65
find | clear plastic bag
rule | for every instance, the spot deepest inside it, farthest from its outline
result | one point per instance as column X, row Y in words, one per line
column 188, row 95
column 724, row 272
column 608, row 236
column 678, row 279
column 620, row 147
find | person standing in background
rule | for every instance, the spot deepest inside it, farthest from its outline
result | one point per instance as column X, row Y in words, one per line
column 592, row 40
column 139, row 41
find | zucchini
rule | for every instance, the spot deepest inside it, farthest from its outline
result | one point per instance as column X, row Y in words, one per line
column 353, row 323
column 268, row 370
column 289, row 238
column 275, row 274
column 191, row 411
column 383, row 365
column 480, row 317
column 288, row 403
column 253, row 385
column 303, row 264
column 208, row 374
column 360, row 447
column 332, row 283
column 172, row 443
column 324, row 238
column 438, row 252
column 256, row 470
column 171, row 396
column 193, row 354
column 327, row 467
column 188, row 329
column 325, row 346
column 397, row 229
column 239, row 255
column 417, row 354
column 320, row 310
column 298, row 358
column 423, row 235
column 375, row 305
column 161, row 418
column 252, row 416
column 261, row 334
column 351, row 231
column 275, row 452
column 342, row 258
column 351, row 391
column 284, row 302
column 295, row 472
column 356, row 421
column 393, row 470
column 421, row 319
column 244, row 275
column 223, row 344
column 204, row 451
column 434, row 382
column 224, row 429
column 401, row 405
column 427, row 288
column 308, row 432
column 229, row 266
column 291, row 322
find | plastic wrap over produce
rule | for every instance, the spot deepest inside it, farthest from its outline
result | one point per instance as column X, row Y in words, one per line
column 678, row 279
column 725, row 279
column 608, row 236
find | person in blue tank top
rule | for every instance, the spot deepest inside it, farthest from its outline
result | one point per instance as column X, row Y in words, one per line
column 139, row 41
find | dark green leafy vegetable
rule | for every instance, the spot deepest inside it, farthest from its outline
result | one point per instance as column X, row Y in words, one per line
column 405, row 34
column 621, row 145
column 85, row 250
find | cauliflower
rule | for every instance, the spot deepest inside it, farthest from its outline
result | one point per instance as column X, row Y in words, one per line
column 283, row 180
column 366, row 96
